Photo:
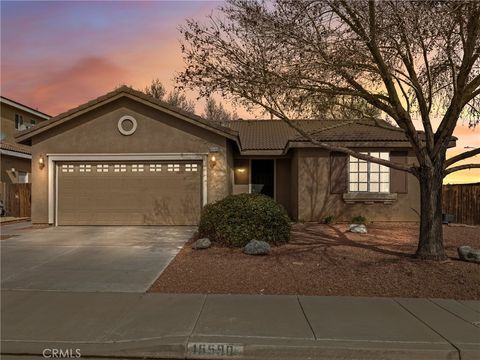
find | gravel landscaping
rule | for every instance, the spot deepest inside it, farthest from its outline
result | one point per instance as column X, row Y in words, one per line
column 328, row 260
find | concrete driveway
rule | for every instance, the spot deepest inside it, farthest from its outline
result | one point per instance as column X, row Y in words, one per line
column 89, row 258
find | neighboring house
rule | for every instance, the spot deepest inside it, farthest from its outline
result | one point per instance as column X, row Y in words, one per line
column 15, row 163
column 15, row 159
column 128, row 159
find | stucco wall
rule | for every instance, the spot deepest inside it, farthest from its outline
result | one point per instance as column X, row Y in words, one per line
column 294, row 185
column 96, row 133
column 7, row 124
column 315, row 200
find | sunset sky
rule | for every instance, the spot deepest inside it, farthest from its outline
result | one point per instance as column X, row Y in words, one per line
column 57, row 55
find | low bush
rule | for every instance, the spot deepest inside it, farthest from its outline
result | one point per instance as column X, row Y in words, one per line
column 330, row 219
column 237, row 219
column 359, row 220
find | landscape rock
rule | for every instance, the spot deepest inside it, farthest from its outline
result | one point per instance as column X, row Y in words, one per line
column 200, row 244
column 255, row 247
column 468, row 253
column 357, row 228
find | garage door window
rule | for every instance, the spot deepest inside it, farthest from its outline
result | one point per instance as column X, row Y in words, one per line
column 84, row 168
column 102, row 168
column 137, row 168
column 155, row 167
column 68, row 168
column 191, row 167
column 120, row 168
column 173, row 167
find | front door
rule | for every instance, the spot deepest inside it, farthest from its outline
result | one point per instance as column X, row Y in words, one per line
column 263, row 177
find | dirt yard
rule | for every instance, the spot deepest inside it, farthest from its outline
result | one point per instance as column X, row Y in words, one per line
column 328, row 260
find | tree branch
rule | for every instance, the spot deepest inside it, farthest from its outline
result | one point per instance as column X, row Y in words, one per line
column 402, row 117
column 449, row 121
column 405, row 95
column 461, row 167
column 465, row 155
column 408, row 61
column 472, row 90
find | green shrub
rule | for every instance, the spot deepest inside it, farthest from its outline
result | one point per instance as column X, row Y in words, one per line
column 359, row 220
column 330, row 219
column 237, row 219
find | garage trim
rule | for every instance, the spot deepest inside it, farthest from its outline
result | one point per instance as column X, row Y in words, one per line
column 53, row 171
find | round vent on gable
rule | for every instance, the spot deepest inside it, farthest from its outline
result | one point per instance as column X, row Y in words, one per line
column 127, row 125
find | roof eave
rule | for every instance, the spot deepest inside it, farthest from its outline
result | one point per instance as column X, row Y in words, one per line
column 261, row 152
column 17, row 154
column 358, row 144
column 25, row 108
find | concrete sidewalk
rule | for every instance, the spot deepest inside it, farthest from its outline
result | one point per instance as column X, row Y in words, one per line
column 177, row 326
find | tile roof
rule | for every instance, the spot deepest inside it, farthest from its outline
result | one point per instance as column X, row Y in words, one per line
column 251, row 135
column 11, row 145
column 275, row 134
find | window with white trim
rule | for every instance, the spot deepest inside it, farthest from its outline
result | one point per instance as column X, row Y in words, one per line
column 102, row 168
column 191, row 167
column 137, row 168
column 173, row 167
column 155, row 167
column 366, row 176
column 119, row 168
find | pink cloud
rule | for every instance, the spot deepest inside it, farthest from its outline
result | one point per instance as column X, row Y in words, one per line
column 60, row 90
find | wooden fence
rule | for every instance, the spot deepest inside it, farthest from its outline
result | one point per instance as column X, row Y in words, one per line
column 16, row 199
column 463, row 201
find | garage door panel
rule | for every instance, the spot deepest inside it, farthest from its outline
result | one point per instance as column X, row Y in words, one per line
column 130, row 197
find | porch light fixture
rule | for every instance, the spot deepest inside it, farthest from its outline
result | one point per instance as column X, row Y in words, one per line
column 41, row 162
column 213, row 161
column 241, row 170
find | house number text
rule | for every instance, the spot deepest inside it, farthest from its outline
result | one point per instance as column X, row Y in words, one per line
column 215, row 349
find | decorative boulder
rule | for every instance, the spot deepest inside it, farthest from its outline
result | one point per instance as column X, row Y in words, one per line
column 255, row 247
column 468, row 253
column 200, row 244
column 357, row 228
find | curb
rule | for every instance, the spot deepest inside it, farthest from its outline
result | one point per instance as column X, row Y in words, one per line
column 14, row 221
column 240, row 348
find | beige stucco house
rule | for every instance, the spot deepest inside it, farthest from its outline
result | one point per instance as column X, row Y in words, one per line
column 128, row 159
column 15, row 159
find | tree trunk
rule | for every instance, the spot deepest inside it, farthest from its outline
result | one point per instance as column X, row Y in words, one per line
column 430, row 245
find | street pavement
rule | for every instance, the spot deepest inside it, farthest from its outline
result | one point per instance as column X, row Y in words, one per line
column 194, row 326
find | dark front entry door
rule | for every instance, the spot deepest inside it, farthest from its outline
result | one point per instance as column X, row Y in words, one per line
column 263, row 177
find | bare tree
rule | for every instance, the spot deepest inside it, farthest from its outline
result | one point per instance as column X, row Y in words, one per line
column 216, row 112
column 175, row 97
column 407, row 59
column 178, row 99
column 156, row 89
